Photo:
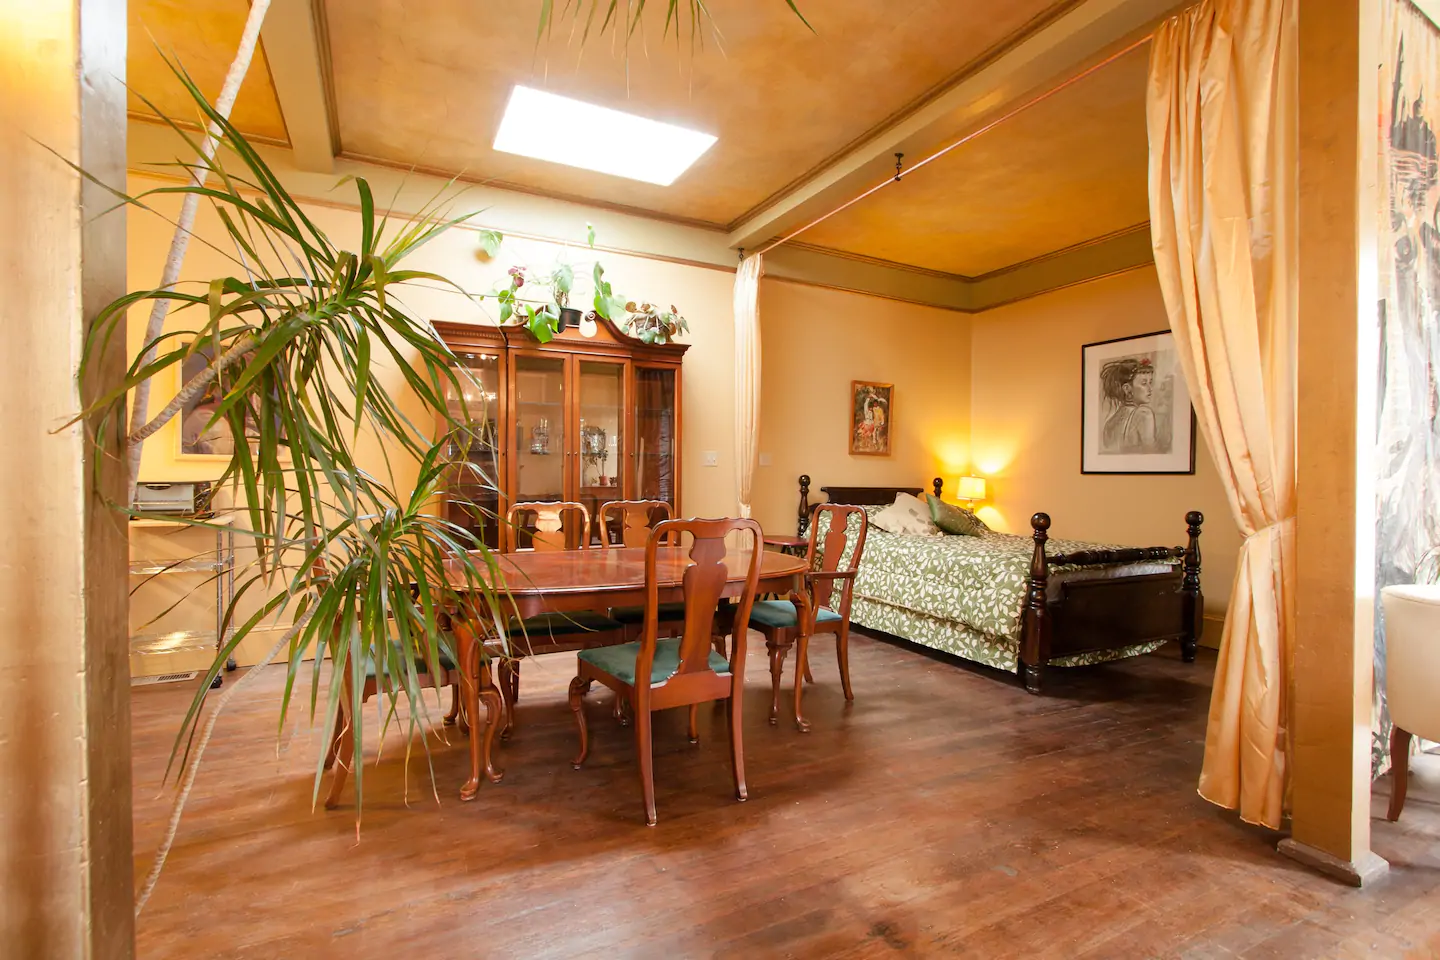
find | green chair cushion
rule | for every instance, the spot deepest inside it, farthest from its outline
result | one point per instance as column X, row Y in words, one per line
column 372, row 668
column 619, row 660
column 563, row 624
column 782, row 613
column 667, row 611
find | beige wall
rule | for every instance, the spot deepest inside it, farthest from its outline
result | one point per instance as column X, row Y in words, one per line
column 1025, row 431
column 815, row 342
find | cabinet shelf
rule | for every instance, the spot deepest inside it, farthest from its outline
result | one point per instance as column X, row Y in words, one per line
column 574, row 382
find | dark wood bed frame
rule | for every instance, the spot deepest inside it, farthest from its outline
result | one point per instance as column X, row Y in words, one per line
column 1090, row 615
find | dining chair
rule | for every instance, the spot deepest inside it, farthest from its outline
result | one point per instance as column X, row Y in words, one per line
column 549, row 526
column 389, row 673
column 654, row 673
column 1412, row 669
column 627, row 523
column 779, row 620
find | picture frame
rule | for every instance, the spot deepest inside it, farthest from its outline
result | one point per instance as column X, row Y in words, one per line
column 198, row 439
column 1135, row 410
column 872, row 418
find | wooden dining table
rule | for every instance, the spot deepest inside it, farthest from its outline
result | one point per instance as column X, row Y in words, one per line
column 531, row 583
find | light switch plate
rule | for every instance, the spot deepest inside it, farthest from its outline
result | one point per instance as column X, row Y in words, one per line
column 712, row 459
column 764, row 459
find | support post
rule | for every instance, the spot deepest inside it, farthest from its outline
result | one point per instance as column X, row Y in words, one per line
column 1194, row 600
column 1035, row 625
column 802, row 517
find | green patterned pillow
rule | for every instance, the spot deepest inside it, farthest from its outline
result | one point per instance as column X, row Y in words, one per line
column 953, row 519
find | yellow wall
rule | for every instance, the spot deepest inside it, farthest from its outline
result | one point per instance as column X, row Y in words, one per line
column 996, row 393
column 814, row 343
column 703, row 294
column 1025, row 431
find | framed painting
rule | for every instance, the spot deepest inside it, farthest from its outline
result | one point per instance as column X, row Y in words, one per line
column 1135, row 411
column 872, row 418
column 200, row 439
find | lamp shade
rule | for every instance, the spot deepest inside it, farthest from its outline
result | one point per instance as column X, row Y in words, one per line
column 971, row 488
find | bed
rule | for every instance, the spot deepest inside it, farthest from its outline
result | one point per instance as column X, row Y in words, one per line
column 1022, row 604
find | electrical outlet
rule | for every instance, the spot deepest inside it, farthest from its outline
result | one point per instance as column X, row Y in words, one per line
column 712, row 459
column 764, row 459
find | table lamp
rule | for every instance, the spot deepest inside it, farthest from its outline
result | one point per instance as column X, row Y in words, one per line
column 970, row 490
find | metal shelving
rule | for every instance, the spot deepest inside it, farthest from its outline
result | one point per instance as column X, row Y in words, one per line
column 223, row 566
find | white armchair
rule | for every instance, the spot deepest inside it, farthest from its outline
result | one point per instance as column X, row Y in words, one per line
column 1412, row 676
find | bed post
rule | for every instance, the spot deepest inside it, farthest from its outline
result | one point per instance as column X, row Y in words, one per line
column 1194, row 602
column 802, row 517
column 1035, row 620
column 939, row 485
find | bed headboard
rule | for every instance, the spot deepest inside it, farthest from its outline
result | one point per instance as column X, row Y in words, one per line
column 855, row 496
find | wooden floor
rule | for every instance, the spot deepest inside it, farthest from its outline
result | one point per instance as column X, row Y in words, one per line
column 945, row 813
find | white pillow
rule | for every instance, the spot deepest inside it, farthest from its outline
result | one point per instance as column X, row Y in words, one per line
column 907, row 515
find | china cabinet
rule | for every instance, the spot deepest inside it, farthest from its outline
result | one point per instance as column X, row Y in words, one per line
column 591, row 416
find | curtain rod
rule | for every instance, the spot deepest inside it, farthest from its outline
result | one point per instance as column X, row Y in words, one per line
column 1021, row 108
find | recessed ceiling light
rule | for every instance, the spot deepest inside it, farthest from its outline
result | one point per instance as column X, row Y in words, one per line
column 561, row 130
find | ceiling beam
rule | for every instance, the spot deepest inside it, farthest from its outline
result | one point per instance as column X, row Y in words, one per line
column 297, row 50
column 1056, row 50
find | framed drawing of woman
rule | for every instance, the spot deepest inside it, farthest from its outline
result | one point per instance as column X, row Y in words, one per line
column 1135, row 409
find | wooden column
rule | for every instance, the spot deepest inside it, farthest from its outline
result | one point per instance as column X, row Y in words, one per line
column 1330, row 715
column 64, row 678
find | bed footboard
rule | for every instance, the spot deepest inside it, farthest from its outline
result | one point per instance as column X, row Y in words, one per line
column 1110, row 614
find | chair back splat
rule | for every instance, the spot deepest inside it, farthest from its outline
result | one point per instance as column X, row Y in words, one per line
column 632, row 520
column 704, row 585
column 551, row 530
column 832, row 550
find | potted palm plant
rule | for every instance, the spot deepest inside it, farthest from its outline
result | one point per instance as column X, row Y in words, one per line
column 363, row 567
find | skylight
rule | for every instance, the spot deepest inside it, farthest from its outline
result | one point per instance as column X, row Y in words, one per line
column 561, row 130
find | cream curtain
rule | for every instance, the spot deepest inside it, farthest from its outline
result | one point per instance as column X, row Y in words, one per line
column 747, row 374
column 1221, row 111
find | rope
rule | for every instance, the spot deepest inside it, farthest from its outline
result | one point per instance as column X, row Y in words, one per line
column 189, row 781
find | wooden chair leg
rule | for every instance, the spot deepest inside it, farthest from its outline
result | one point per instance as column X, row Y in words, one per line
column 1399, row 770
column 694, row 716
column 509, row 677
column 454, row 712
column 471, row 685
column 494, row 712
column 842, row 654
column 802, row 656
column 578, row 688
column 646, row 760
column 344, row 756
column 737, row 744
column 618, row 711
column 335, row 734
column 809, row 677
column 777, row 667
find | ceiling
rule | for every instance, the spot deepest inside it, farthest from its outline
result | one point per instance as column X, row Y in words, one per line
column 1069, row 169
column 201, row 36
column 423, row 83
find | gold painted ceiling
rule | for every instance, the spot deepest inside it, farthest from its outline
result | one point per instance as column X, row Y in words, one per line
column 1069, row 169
column 424, row 83
column 202, row 36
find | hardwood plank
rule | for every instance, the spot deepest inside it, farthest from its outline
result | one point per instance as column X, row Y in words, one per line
column 944, row 812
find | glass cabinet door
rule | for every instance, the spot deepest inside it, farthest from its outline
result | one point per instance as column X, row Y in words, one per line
column 539, row 429
column 601, row 396
column 656, row 431
column 473, row 477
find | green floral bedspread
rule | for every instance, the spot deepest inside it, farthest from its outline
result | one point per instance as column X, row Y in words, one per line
column 978, row 582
